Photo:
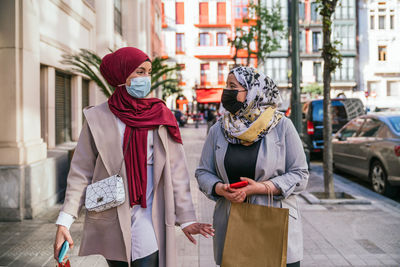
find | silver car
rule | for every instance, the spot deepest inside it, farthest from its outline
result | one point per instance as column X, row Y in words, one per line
column 369, row 147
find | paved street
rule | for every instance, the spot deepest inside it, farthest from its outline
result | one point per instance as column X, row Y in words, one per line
column 334, row 235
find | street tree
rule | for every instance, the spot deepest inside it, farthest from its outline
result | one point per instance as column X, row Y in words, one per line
column 87, row 62
column 332, row 60
column 262, row 34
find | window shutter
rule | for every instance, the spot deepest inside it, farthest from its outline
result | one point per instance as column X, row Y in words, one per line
column 63, row 108
column 180, row 13
column 221, row 13
column 85, row 97
column 203, row 9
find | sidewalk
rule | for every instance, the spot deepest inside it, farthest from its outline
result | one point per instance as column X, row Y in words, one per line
column 334, row 235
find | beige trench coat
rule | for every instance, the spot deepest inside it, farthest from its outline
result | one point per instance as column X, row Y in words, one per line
column 98, row 155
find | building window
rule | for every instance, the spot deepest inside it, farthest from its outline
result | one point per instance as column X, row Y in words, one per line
column 204, row 68
column 381, row 22
column 302, row 40
column 221, row 13
column 302, row 13
column 372, row 22
column 317, row 41
column 180, row 46
column 241, row 8
column 318, row 72
column 277, row 69
column 391, row 22
column 180, row 13
column 117, row 17
column 393, row 88
column 221, row 39
column 382, row 53
column 204, row 39
column 180, row 72
column 314, row 12
column 203, row 12
column 63, row 108
column 346, row 72
column 222, row 70
column 345, row 33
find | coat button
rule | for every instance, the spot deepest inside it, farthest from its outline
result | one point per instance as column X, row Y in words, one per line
column 298, row 184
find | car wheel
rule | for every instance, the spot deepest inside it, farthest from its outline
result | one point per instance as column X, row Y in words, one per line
column 379, row 181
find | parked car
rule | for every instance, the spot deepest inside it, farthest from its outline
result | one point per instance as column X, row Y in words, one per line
column 180, row 117
column 369, row 147
column 343, row 110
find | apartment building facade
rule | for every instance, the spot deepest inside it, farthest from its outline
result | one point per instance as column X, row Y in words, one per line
column 278, row 64
column 195, row 36
column 379, row 45
column 43, row 99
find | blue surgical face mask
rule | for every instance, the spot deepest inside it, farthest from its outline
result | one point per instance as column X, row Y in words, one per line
column 140, row 87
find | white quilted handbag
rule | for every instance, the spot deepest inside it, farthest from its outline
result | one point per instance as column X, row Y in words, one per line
column 107, row 193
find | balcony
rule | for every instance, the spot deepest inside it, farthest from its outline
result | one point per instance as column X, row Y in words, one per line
column 387, row 69
column 207, row 25
column 213, row 52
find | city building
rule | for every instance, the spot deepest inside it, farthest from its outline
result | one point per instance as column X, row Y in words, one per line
column 42, row 99
column 278, row 64
column 379, row 49
column 195, row 36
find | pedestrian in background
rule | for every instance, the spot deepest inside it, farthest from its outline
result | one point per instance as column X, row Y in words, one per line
column 141, row 231
column 211, row 117
column 253, row 142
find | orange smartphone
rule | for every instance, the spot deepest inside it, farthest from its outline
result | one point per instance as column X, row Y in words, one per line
column 239, row 184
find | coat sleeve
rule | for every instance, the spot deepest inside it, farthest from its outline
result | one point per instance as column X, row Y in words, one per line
column 80, row 173
column 184, row 209
column 206, row 173
column 295, row 178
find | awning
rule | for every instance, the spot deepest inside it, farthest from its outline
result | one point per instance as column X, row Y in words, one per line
column 212, row 95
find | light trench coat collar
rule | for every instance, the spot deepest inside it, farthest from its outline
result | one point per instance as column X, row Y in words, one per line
column 270, row 141
column 110, row 150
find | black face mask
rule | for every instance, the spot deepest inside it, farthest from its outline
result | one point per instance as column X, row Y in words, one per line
column 230, row 102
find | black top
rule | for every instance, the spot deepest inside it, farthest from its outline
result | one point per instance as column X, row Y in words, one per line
column 240, row 161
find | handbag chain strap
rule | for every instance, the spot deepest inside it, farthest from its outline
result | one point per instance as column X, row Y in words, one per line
column 126, row 148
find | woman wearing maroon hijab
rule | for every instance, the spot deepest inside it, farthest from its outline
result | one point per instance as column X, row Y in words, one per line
column 142, row 133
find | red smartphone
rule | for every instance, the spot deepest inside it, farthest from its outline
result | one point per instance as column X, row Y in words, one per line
column 239, row 184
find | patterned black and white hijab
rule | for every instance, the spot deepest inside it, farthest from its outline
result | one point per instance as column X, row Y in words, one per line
column 259, row 114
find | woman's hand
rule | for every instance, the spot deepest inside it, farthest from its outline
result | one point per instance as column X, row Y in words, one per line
column 259, row 188
column 198, row 228
column 231, row 194
column 62, row 235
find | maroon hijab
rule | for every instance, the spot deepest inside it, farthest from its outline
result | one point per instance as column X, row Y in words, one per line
column 139, row 115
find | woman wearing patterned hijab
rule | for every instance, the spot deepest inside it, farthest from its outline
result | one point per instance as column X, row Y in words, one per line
column 253, row 142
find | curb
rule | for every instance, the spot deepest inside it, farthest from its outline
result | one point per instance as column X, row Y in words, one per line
column 313, row 200
column 357, row 191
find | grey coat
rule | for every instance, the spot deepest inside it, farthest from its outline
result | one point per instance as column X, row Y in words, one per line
column 281, row 160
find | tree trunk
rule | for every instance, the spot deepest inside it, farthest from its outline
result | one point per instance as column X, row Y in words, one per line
column 328, row 176
column 248, row 55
